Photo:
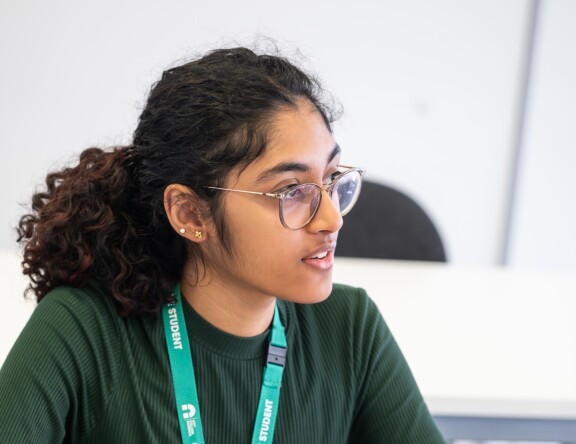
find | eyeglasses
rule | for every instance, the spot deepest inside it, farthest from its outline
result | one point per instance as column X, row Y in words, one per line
column 299, row 203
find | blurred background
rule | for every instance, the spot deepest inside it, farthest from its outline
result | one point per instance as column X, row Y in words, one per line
column 466, row 106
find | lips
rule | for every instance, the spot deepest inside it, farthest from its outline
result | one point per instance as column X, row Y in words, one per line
column 321, row 252
column 322, row 258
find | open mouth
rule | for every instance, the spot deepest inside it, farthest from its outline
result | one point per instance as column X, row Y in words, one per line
column 322, row 258
column 320, row 255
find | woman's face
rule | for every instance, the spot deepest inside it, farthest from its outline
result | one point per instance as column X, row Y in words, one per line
column 269, row 259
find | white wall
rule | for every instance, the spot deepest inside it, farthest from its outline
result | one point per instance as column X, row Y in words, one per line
column 430, row 88
column 543, row 230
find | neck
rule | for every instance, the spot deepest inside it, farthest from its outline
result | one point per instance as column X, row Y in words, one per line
column 230, row 311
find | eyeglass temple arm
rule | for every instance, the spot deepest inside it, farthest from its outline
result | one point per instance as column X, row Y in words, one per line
column 247, row 192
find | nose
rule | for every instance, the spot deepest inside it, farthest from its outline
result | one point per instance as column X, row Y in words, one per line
column 327, row 217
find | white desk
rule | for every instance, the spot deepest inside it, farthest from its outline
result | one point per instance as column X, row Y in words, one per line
column 492, row 350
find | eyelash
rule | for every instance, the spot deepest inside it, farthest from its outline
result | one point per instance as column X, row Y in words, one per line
column 285, row 188
column 335, row 175
column 332, row 176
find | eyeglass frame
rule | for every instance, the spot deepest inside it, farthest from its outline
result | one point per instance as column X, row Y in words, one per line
column 281, row 195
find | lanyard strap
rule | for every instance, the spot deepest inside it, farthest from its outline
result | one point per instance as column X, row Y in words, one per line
column 184, row 379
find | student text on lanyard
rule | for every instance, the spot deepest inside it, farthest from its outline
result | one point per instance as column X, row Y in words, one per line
column 185, row 380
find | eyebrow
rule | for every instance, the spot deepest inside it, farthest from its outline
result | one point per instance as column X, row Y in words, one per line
column 284, row 167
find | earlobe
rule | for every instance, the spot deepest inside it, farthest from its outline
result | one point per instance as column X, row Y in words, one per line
column 182, row 208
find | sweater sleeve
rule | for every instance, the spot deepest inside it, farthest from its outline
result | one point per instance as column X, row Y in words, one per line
column 389, row 408
column 59, row 374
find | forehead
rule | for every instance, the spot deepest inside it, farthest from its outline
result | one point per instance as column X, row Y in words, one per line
column 297, row 135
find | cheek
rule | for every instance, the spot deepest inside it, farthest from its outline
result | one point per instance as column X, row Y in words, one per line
column 255, row 232
column 266, row 241
column 254, row 217
column 265, row 259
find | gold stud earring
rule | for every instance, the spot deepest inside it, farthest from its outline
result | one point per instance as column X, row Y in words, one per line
column 198, row 234
column 182, row 230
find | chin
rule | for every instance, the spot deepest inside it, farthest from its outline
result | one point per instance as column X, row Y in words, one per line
column 312, row 294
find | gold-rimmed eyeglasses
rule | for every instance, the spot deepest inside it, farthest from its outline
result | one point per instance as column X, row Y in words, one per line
column 300, row 202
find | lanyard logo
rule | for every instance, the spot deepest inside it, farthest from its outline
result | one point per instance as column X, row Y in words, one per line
column 189, row 415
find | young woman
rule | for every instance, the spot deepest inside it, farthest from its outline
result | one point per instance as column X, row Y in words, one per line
column 185, row 281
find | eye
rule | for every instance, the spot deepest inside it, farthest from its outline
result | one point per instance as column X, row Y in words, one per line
column 304, row 193
column 295, row 192
column 285, row 188
column 335, row 175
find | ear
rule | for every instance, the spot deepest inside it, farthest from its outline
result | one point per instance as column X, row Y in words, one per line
column 186, row 213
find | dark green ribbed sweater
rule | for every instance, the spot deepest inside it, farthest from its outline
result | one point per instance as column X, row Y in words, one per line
column 79, row 373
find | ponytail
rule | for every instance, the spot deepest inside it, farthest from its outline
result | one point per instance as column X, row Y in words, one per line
column 85, row 225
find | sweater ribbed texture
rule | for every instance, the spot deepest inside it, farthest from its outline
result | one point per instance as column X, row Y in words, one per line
column 79, row 373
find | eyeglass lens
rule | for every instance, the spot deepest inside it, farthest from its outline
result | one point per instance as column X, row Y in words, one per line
column 299, row 206
column 348, row 190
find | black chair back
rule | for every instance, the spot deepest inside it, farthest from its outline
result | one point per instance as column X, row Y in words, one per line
column 387, row 224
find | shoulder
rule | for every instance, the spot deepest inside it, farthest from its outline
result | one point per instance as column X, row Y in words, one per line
column 77, row 331
column 75, row 322
column 87, row 308
column 87, row 298
column 64, row 365
column 350, row 321
column 348, row 311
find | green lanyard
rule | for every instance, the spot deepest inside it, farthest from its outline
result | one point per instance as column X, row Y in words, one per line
column 185, row 382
